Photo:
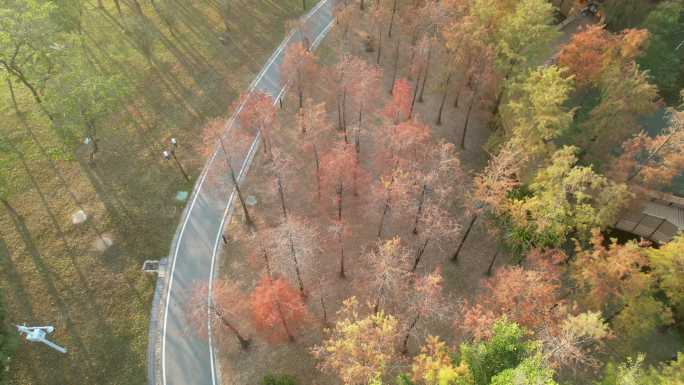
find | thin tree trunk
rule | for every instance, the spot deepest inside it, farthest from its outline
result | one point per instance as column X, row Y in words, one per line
column 425, row 74
column 404, row 349
column 339, row 201
column 444, row 97
column 377, row 58
column 382, row 217
column 395, row 67
column 419, row 254
column 14, row 98
column 421, row 200
column 454, row 258
column 244, row 342
column 467, row 121
column 415, row 96
column 342, row 271
column 491, row 263
column 293, row 253
column 376, row 308
column 318, row 171
column 281, row 193
column 248, row 218
column 344, row 114
column 394, row 11
column 279, row 307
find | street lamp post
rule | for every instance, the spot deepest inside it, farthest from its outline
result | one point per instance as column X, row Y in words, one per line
column 171, row 154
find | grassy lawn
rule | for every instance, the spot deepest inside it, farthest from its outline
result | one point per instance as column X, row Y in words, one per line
column 55, row 272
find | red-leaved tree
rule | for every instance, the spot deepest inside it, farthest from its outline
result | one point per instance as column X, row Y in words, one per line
column 399, row 107
column 300, row 66
column 278, row 310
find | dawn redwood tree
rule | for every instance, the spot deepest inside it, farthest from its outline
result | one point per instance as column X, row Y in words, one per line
column 258, row 114
column 378, row 18
column 225, row 308
column 404, row 144
column 338, row 232
column 283, row 169
column 392, row 190
column 566, row 198
column 616, row 281
column 523, row 36
column 609, row 275
column 359, row 349
column 536, row 113
column 585, row 54
column 389, row 273
column 491, row 188
column 426, row 300
column 293, row 247
column 434, row 226
column 278, row 310
column 340, row 173
column 435, row 363
column 575, row 342
column 399, row 107
column 344, row 77
column 652, row 161
column 315, row 127
column 364, row 91
column 527, row 297
column 300, row 66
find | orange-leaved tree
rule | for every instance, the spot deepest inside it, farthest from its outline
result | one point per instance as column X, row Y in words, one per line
column 278, row 310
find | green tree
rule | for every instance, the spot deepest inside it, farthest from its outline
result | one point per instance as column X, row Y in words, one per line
column 664, row 58
column 28, row 43
column 566, row 199
column 632, row 372
column 668, row 267
column 531, row 371
column 536, row 112
column 81, row 98
column 506, row 349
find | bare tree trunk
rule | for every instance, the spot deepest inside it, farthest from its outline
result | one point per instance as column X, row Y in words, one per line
column 279, row 307
column 491, row 263
column 454, row 258
column 382, row 217
column 425, row 74
column 395, row 67
column 339, row 201
column 118, row 7
column 444, row 97
column 13, row 96
column 377, row 58
column 404, row 349
column 293, row 253
column 467, row 120
column 419, row 254
column 318, row 171
column 415, row 96
column 421, row 200
column 244, row 342
column 281, row 194
column 394, row 11
column 342, row 271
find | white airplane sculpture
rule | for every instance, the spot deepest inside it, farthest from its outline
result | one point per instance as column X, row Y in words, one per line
column 38, row 334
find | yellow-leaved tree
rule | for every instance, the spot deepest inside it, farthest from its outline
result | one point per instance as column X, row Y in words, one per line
column 359, row 349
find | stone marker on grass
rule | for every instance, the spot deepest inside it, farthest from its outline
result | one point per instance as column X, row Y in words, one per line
column 79, row 217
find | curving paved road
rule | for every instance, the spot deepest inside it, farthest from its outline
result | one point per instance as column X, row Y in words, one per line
column 187, row 359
